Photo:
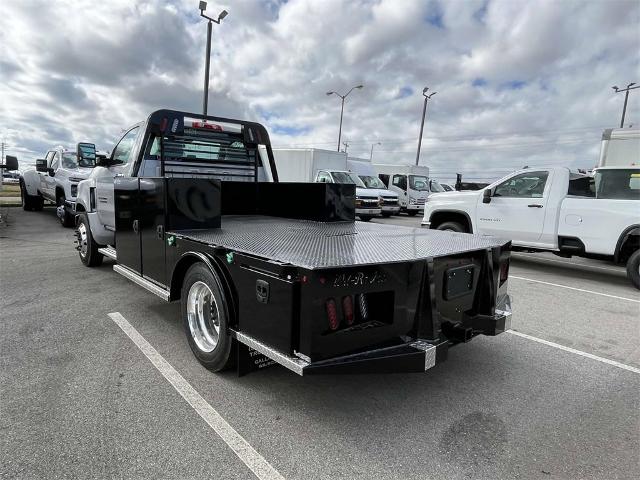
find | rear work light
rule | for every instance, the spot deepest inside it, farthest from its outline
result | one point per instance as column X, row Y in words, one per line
column 362, row 306
column 504, row 271
column 347, row 309
column 332, row 314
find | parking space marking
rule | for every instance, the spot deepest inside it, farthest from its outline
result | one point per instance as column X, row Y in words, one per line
column 574, row 264
column 249, row 456
column 574, row 288
column 577, row 352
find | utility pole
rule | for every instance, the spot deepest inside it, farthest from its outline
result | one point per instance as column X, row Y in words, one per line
column 424, row 111
column 342, row 108
column 371, row 153
column 626, row 99
column 223, row 13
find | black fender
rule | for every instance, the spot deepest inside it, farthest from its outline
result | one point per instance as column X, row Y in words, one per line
column 457, row 212
column 625, row 236
column 217, row 268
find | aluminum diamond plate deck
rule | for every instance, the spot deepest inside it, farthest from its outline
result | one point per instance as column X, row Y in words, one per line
column 316, row 245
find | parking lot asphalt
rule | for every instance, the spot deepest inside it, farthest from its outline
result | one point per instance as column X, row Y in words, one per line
column 80, row 400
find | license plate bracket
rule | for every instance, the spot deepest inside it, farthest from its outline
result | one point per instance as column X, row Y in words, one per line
column 458, row 281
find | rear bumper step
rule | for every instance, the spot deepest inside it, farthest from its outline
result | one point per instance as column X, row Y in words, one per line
column 413, row 356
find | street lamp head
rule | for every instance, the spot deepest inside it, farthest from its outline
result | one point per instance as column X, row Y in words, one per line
column 424, row 90
column 203, row 6
column 330, row 93
column 223, row 14
column 631, row 84
column 359, row 86
column 615, row 88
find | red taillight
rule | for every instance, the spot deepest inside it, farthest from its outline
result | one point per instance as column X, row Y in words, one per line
column 347, row 308
column 504, row 271
column 332, row 314
column 163, row 124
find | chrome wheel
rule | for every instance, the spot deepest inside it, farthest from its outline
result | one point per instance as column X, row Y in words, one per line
column 203, row 317
column 82, row 240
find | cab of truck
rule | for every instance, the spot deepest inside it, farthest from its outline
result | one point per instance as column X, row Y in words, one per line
column 368, row 203
column 412, row 190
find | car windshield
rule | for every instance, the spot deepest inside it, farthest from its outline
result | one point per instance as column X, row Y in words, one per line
column 419, row 183
column 70, row 160
column 435, row 186
column 621, row 184
column 348, row 178
column 372, row 182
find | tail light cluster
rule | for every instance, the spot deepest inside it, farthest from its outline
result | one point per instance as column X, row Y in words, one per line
column 346, row 316
column 504, row 271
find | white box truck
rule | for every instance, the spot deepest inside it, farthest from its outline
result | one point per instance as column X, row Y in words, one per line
column 620, row 147
column 365, row 171
column 410, row 182
column 326, row 166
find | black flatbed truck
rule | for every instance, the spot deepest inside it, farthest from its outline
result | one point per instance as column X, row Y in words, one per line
column 265, row 279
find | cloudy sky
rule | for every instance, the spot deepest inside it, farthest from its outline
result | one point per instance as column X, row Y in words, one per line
column 518, row 82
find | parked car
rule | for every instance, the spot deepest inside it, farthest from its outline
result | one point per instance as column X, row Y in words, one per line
column 55, row 178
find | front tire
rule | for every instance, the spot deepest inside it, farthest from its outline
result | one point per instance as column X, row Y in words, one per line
column 633, row 269
column 412, row 213
column 66, row 220
column 452, row 227
column 87, row 247
column 205, row 318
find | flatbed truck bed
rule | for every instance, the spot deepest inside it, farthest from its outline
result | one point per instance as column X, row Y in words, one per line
column 264, row 280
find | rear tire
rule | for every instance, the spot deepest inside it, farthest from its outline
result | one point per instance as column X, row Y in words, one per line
column 633, row 269
column 30, row 202
column 452, row 227
column 65, row 219
column 87, row 247
column 205, row 318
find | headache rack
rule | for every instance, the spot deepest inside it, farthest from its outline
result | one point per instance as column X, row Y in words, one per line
column 180, row 145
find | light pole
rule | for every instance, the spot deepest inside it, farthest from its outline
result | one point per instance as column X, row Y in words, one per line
column 346, row 146
column 424, row 111
column 626, row 99
column 223, row 13
column 342, row 108
column 371, row 153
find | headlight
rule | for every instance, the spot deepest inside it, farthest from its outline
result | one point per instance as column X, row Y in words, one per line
column 412, row 201
column 358, row 202
column 380, row 201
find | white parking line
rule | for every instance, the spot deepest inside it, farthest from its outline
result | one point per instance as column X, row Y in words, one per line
column 252, row 459
column 577, row 352
column 574, row 288
column 574, row 264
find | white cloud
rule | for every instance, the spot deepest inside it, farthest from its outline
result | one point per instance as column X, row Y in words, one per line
column 518, row 82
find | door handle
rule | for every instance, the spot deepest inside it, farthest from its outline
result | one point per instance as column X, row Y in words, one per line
column 135, row 226
column 160, row 231
column 534, row 205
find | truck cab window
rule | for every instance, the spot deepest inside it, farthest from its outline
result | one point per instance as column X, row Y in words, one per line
column 56, row 161
column 323, row 177
column 400, row 181
column 122, row 152
column 525, row 185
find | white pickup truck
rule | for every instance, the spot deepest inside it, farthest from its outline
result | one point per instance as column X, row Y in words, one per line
column 552, row 209
column 55, row 178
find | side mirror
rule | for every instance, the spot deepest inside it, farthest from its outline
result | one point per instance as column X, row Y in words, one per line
column 10, row 163
column 87, row 153
column 51, row 172
column 41, row 165
column 102, row 160
column 486, row 195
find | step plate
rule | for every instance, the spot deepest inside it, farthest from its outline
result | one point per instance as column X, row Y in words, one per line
column 108, row 252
